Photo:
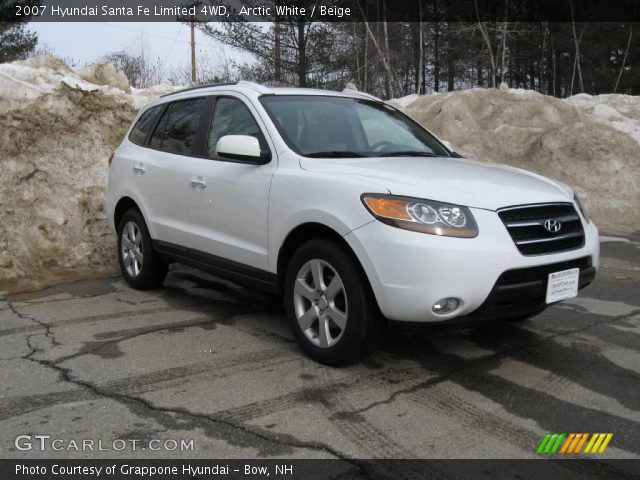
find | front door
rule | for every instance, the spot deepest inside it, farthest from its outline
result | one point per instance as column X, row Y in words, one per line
column 230, row 199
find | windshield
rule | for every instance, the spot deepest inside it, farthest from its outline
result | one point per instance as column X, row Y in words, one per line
column 323, row 126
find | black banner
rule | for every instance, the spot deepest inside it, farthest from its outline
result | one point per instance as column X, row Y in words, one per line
column 320, row 10
column 351, row 469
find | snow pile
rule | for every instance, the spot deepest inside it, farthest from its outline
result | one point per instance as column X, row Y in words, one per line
column 591, row 143
column 621, row 112
column 58, row 127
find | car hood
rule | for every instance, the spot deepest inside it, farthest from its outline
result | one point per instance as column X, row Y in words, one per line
column 453, row 180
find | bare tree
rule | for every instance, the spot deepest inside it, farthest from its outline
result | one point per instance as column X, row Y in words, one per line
column 576, row 42
column 389, row 75
column 482, row 26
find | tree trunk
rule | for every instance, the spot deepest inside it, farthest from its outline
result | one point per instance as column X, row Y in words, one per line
column 277, row 70
column 553, row 66
column 624, row 59
column 385, row 62
column 503, row 50
column 302, row 55
column 436, row 58
column 487, row 41
column 576, row 41
column 387, row 54
column 451, row 74
column 419, row 85
column 354, row 32
column 365, row 83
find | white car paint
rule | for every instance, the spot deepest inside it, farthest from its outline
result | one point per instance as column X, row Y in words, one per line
column 247, row 211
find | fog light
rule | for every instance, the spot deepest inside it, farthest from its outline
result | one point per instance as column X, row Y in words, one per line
column 446, row 305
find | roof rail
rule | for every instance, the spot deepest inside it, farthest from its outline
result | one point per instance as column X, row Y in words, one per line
column 254, row 86
column 198, row 87
column 362, row 94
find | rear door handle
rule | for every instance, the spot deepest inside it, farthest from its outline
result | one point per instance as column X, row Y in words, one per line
column 139, row 169
column 198, row 182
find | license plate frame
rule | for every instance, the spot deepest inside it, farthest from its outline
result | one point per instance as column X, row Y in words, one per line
column 562, row 285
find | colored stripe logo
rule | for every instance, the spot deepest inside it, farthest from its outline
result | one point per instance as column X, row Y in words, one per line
column 572, row 443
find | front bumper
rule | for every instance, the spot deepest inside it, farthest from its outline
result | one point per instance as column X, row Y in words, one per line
column 410, row 271
column 521, row 292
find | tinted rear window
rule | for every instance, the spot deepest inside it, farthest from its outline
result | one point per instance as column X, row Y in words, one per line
column 176, row 132
column 144, row 124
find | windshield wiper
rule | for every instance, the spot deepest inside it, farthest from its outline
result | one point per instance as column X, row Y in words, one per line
column 335, row 154
column 408, row 153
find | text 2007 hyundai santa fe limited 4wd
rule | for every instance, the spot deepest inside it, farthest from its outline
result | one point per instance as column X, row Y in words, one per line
column 346, row 206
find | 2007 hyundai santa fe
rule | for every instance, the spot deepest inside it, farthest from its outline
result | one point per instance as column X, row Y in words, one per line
column 346, row 206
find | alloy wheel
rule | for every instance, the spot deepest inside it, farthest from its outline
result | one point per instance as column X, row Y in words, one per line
column 131, row 249
column 320, row 303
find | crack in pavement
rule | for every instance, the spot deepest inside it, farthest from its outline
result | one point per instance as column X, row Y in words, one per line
column 41, row 326
column 502, row 354
column 67, row 376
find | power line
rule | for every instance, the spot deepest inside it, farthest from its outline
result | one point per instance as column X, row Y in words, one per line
column 152, row 34
column 173, row 44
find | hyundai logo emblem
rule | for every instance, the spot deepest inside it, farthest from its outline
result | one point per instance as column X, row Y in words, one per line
column 552, row 225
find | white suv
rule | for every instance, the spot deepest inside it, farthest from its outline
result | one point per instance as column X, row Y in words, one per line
column 351, row 210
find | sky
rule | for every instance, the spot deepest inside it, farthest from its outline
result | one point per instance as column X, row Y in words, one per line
column 87, row 42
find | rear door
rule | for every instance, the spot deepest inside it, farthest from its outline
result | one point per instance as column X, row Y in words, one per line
column 163, row 170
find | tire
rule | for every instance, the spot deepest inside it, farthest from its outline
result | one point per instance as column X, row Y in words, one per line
column 355, row 325
column 142, row 270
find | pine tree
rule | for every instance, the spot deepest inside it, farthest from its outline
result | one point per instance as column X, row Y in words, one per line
column 16, row 42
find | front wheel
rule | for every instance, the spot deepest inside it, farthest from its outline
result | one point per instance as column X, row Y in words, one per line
column 331, row 309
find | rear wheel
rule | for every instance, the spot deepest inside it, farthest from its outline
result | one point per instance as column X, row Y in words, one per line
column 331, row 309
column 139, row 264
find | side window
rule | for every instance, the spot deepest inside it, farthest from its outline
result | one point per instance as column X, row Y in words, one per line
column 176, row 131
column 231, row 117
column 140, row 130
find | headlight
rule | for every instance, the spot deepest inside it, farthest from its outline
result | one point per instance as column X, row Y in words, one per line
column 580, row 207
column 420, row 215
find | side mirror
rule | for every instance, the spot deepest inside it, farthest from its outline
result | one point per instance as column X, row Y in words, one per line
column 241, row 147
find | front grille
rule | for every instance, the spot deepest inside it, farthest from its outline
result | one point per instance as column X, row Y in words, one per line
column 526, row 227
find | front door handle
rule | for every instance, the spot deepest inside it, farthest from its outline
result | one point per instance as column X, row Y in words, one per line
column 198, row 182
column 138, row 169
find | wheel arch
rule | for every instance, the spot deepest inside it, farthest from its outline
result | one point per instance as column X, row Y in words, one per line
column 300, row 235
column 124, row 204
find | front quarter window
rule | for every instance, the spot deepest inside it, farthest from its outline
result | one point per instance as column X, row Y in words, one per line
column 231, row 117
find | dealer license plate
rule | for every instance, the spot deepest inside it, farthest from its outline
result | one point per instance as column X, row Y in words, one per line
column 563, row 285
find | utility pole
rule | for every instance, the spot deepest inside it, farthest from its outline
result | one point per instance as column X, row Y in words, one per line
column 193, row 51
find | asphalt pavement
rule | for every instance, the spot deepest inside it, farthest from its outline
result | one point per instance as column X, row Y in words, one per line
column 205, row 369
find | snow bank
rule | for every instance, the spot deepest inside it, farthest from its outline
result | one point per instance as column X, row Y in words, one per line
column 621, row 112
column 589, row 142
column 58, row 127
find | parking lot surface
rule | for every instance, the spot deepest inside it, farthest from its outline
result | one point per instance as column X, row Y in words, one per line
column 214, row 365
